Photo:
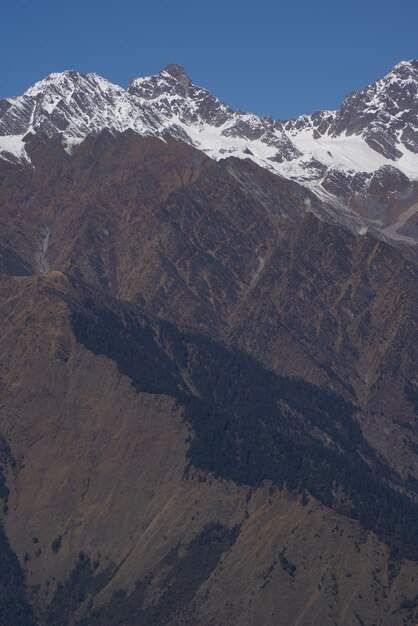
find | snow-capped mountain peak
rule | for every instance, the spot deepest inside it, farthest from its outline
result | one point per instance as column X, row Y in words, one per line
column 325, row 151
column 405, row 69
column 72, row 105
column 172, row 80
column 178, row 72
column 65, row 83
column 385, row 114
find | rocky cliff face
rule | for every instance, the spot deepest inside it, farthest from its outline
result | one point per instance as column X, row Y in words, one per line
column 208, row 379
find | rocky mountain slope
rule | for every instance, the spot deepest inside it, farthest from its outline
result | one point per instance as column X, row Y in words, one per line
column 112, row 424
column 208, row 357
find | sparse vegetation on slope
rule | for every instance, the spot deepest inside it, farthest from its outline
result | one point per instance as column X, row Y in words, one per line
column 251, row 424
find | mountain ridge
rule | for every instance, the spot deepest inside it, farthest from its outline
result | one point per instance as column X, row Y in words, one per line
column 333, row 153
column 174, row 78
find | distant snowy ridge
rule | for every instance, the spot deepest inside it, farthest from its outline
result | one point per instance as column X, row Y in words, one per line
column 326, row 151
column 76, row 105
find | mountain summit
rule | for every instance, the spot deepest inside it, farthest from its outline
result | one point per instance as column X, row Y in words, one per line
column 383, row 117
column 172, row 79
column 178, row 72
column 336, row 154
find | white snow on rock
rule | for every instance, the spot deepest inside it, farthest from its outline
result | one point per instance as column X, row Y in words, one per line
column 372, row 129
column 13, row 146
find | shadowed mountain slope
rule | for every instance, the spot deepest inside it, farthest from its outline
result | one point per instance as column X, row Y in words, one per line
column 114, row 422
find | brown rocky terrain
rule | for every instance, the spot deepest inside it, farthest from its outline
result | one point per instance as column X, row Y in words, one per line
column 99, row 470
column 228, row 249
column 197, row 377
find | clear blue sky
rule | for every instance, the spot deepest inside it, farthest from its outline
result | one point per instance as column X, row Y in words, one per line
column 271, row 57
